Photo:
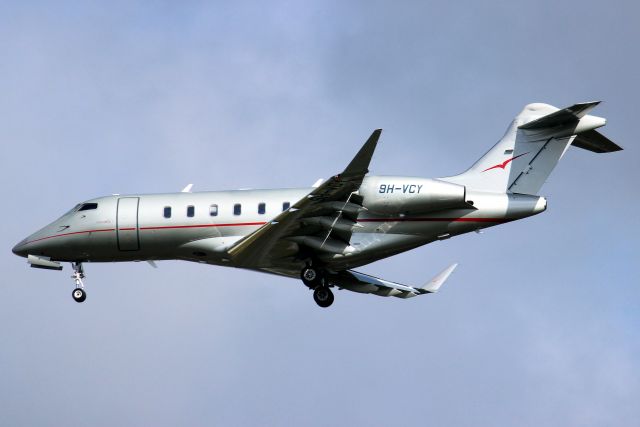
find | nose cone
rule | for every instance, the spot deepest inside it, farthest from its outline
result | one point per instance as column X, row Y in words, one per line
column 40, row 243
column 20, row 248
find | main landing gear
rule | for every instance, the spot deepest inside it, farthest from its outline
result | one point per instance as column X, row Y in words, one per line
column 323, row 296
column 314, row 278
column 78, row 294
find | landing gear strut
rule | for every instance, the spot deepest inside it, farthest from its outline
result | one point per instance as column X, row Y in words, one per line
column 315, row 278
column 78, row 294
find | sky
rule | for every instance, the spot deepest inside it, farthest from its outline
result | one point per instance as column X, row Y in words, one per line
column 540, row 323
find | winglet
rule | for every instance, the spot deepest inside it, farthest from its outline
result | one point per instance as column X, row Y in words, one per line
column 187, row 189
column 434, row 284
column 359, row 166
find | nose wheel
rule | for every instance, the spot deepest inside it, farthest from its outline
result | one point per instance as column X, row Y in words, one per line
column 78, row 294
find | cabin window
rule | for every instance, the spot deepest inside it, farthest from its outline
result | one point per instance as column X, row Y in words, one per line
column 191, row 211
column 213, row 210
column 237, row 209
column 285, row 206
column 167, row 211
column 262, row 207
column 88, row 207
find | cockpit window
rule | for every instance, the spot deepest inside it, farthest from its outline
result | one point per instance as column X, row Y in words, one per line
column 75, row 208
column 88, row 207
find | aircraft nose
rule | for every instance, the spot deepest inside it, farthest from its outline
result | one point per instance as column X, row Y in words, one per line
column 19, row 249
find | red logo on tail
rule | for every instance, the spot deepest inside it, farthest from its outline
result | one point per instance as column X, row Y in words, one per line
column 505, row 163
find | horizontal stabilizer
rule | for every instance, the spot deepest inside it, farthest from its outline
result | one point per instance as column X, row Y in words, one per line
column 562, row 117
column 596, row 142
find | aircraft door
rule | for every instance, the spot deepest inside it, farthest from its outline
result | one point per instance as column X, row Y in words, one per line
column 127, row 224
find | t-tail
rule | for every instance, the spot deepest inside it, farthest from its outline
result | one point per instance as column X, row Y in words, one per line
column 532, row 146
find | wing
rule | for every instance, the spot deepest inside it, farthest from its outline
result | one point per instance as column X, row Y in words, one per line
column 363, row 283
column 322, row 221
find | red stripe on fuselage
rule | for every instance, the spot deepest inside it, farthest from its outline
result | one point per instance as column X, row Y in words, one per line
column 239, row 224
column 164, row 227
column 70, row 234
column 244, row 224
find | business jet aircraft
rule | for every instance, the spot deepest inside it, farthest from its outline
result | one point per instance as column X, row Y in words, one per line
column 320, row 234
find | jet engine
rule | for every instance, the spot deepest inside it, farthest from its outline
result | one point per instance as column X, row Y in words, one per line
column 396, row 194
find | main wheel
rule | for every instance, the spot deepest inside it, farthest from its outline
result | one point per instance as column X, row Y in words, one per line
column 79, row 295
column 323, row 296
column 310, row 276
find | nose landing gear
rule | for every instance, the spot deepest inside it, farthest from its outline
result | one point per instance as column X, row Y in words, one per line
column 78, row 294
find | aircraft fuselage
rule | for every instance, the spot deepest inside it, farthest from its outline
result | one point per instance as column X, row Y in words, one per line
column 202, row 226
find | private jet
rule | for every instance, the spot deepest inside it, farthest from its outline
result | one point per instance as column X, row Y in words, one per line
column 321, row 234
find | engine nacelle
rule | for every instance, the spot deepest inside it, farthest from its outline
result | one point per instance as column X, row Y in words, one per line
column 399, row 194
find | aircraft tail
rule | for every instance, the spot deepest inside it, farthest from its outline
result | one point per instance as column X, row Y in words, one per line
column 532, row 146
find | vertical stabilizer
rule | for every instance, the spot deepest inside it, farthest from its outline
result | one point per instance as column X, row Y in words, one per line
column 532, row 146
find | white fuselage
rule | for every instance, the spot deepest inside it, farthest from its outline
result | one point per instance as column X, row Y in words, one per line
column 202, row 226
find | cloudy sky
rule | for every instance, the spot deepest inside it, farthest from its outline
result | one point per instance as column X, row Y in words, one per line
column 540, row 324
